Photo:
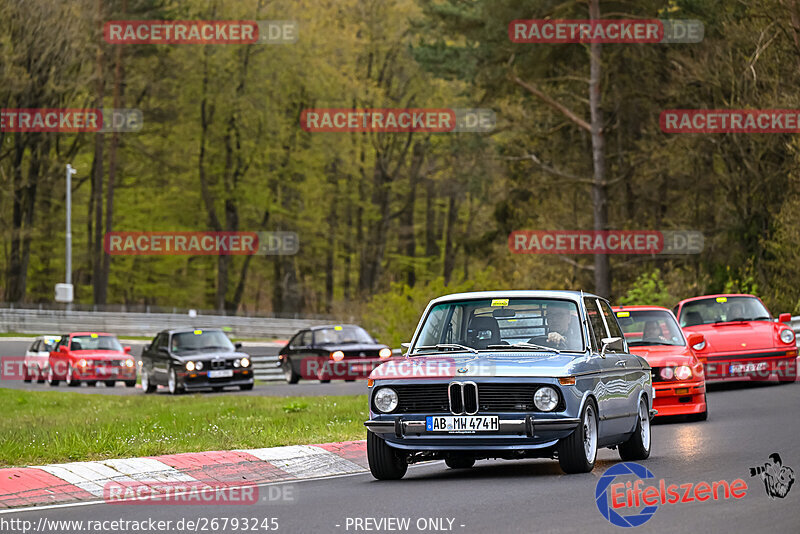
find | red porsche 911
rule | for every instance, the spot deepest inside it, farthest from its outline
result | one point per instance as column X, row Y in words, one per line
column 90, row 357
column 742, row 341
column 653, row 333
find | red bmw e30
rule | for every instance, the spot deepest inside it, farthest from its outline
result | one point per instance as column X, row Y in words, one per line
column 653, row 333
column 90, row 357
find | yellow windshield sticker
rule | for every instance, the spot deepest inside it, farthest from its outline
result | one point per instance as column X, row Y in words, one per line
column 94, row 335
column 623, row 314
column 198, row 332
column 337, row 327
column 512, row 320
column 499, row 302
column 722, row 299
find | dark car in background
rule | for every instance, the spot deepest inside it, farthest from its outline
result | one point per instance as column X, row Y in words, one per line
column 321, row 353
column 191, row 359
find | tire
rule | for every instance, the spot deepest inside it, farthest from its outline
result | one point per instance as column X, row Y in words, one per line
column 459, row 462
column 91, row 383
column 349, row 379
column 384, row 462
column 70, row 379
column 26, row 374
column 51, row 381
column 172, row 383
column 109, row 383
column 578, row 451
column 246, row 387
column 130, row 383
column 638, row 445
column 40, row 378
column 147, row 386
column 288, row 373
column 326, row 381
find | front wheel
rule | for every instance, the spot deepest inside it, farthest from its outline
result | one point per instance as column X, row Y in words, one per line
column 130, row 383
column 40, row 377
column 71, row 380
column 638, row 445
column 147, row 385
column 246, row 387
column 109, row 383
column 51, row 377
column 172, row 383
column 288, row 372
column 578, row 451
column 26, row 373
column 384, row 462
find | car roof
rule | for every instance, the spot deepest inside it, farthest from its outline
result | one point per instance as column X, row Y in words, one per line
column 717, row 295
column 640, row 308
column 189, row 329
column 516, row 293
column 327, row 326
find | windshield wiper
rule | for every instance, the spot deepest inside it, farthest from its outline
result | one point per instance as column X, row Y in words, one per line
column 641, row 343
column 525, row 345
column 447, row 346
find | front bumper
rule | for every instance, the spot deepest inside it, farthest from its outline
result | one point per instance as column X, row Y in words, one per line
column 200, row 379
column 679, row 398
column 99, row 374
column 518, row 431
column 752, row 366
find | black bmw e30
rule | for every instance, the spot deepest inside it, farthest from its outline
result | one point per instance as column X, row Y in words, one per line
column 190, row 359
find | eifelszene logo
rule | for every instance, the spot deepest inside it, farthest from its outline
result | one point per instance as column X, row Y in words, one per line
column 778, row 478
column 613, row 498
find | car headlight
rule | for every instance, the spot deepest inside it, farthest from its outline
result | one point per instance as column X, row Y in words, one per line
column 787, row 336
column 190, row 366
column 545, row 399
column 699, row 346
column 337, row 356
column 683, row 372
column 128, row 363
column 198, row 365
column 385, row 352
column 237, row 363
column 667, row 373
column 386, row 400
column 245, row 362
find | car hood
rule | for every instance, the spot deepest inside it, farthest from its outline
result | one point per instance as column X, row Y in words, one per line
column 494, row 364
column 352, row 347
column 208, row 355
column 663, row 355
column 735, row 337
column 99, row 354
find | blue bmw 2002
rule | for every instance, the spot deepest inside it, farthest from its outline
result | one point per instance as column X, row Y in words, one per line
column 510, row 374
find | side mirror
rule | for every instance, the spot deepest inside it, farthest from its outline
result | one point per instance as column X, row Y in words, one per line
column 237, row 345
column 695, row 338
column 405, row 345
column 785, row 318
column 63, row 349
column 146, row 347
column 126, row 349
column 614, row 343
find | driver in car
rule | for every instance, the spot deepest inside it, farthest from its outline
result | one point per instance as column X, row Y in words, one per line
column 561, row 333
column 735, row 311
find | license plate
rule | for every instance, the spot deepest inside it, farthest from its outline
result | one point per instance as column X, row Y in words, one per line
column 462, row 423
column 751, row 367
column 225, row 373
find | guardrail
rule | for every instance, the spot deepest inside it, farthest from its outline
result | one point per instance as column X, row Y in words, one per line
column 31, row 321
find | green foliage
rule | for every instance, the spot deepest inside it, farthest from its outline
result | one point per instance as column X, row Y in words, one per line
column 648, row 290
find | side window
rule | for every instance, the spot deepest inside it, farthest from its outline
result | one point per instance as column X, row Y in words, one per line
column 160, row 341
column 305, row 340
column 611, row 320
column 35, row 346
column 295, row 341
column 64, row 341
column 596, row 322
column 675, row 311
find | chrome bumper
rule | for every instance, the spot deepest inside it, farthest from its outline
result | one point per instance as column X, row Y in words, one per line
column 527, row 426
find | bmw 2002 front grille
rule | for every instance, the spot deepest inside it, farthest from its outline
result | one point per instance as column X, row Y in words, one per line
column 448, row 398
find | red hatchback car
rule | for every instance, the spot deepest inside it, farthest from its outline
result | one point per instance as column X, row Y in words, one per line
column 653, row 333
column 90, row 357
column 742, row 341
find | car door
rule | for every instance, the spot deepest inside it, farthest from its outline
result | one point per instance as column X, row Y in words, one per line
column 160, row 358
column 605, row 391
column 628, row 374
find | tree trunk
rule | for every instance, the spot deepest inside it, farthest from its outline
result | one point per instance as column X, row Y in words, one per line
column 100, row 285
column 449, row 260
column 602, row 268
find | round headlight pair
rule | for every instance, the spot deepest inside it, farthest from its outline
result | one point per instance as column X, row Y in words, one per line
column 787, row 336
column 545, row 399
column 191, row 366
column 244, row 362
column 681, row 372
column 385, row 400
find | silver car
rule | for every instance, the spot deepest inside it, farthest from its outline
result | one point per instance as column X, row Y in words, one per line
column 510, row 374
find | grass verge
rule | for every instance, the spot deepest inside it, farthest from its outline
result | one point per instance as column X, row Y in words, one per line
column 48, row 427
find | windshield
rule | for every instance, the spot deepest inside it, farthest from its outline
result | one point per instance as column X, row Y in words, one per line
column 650, row 327
column 337, row 335
column 487, row 323
column 201, row 339
column 723, row 310
column 95, row 342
